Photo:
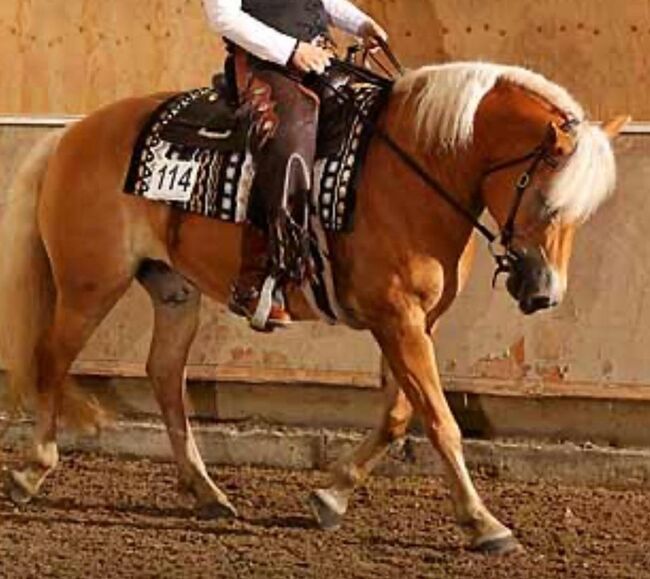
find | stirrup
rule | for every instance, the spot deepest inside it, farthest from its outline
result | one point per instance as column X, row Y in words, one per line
column 260, row 318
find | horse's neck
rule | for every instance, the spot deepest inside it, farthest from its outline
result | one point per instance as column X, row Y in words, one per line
column 406, row 234
column 511, row 121
column 459, row 173
column 403, row 229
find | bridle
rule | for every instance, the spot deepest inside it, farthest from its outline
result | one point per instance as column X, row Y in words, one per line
column 507, row 257
column 500, row 244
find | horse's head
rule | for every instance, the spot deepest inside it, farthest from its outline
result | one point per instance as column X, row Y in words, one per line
column 544, row 179
column 509, row 140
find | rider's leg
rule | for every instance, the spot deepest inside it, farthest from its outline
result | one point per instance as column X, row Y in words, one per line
column 252, row 274
column 284, row 149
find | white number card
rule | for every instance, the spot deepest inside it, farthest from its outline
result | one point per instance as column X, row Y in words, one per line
column 171, row 179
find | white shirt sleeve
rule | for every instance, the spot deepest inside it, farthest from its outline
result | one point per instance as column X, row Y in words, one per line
column 228, row 19
column 345, row 15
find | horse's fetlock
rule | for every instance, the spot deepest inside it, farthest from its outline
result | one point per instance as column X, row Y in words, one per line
column 347, row 475
column 396, row 430
column 47, row 455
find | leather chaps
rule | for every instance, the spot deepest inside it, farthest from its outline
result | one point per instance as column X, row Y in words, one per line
column 283, row 143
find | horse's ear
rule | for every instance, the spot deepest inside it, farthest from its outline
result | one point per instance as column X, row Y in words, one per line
column 613, row 127
column 562, row 142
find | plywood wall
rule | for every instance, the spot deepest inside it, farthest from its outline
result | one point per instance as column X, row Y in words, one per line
column 71, row 56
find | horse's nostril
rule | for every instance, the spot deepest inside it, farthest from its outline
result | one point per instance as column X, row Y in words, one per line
column 535, row 303
column 541, row 302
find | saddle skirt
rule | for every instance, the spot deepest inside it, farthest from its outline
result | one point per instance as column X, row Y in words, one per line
column 193, row 155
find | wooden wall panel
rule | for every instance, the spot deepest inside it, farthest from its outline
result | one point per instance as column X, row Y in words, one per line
column 595, row 344
column 597, row 341
column 71, row 56
column 598, row 49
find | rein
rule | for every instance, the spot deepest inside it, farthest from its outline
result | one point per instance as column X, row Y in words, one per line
column 506, row 260
column 537, row 156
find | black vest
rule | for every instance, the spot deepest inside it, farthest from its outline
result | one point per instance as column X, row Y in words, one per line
column 302, row 19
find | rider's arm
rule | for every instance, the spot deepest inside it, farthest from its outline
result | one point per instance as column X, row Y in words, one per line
column 229, row 20
column 346, row 16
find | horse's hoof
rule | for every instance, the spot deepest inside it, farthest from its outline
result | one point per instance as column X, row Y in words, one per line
column 16, row 492
column 327, row 516
column 217, row 510
column 500, row 546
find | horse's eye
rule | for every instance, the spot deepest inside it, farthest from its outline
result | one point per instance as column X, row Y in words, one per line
column 552, row 213
column 547, row 211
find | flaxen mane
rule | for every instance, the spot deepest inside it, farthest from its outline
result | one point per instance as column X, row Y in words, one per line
column 446, row 98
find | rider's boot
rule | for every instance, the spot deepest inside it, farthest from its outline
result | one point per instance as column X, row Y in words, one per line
column 248, row 289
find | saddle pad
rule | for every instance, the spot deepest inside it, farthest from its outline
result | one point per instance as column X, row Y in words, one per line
column 218, row 184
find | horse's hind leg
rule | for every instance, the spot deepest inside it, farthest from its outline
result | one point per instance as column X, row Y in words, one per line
column 330, row 504
column 176, row 310
column 74, row 319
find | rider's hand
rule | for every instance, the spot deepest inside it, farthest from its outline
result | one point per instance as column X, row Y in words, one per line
column 310, row 58
column 370, row 31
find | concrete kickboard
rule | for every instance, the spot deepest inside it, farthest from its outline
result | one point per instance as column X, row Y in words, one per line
column 299, row 448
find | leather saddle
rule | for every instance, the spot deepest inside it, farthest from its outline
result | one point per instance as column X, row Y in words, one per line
column 215, row 122
column 211, row 122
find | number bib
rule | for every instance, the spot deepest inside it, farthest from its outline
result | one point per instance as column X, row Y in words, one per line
column 171, row 179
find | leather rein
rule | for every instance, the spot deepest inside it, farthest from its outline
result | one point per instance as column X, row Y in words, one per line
column 507, row 259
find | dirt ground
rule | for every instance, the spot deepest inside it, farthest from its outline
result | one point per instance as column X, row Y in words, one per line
column 106, row 518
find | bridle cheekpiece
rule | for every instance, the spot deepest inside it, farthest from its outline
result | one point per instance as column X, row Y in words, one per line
column 507, row 259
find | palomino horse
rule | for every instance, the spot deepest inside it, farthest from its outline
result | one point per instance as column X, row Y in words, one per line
column 493, row 137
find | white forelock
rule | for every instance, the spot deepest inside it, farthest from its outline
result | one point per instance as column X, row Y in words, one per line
column 588, row 178
column 447, row 96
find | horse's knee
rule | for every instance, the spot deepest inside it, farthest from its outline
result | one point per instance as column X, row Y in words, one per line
column 445, row 436
column 166, row 286
column 161, row 371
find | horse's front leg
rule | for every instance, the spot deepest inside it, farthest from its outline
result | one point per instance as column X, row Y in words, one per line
column 410, row 353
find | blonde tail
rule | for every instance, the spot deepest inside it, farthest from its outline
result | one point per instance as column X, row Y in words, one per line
column 27, row 292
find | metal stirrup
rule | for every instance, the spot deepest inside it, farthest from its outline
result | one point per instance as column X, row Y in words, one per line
column 260, row 319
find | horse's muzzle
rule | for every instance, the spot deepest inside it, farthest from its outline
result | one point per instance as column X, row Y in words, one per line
column 534, row 284
column 533, row 304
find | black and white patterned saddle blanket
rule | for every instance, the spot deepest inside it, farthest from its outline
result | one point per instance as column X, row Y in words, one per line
column 218, row 184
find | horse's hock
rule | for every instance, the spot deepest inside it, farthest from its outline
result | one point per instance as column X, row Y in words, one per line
column 563, row 395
